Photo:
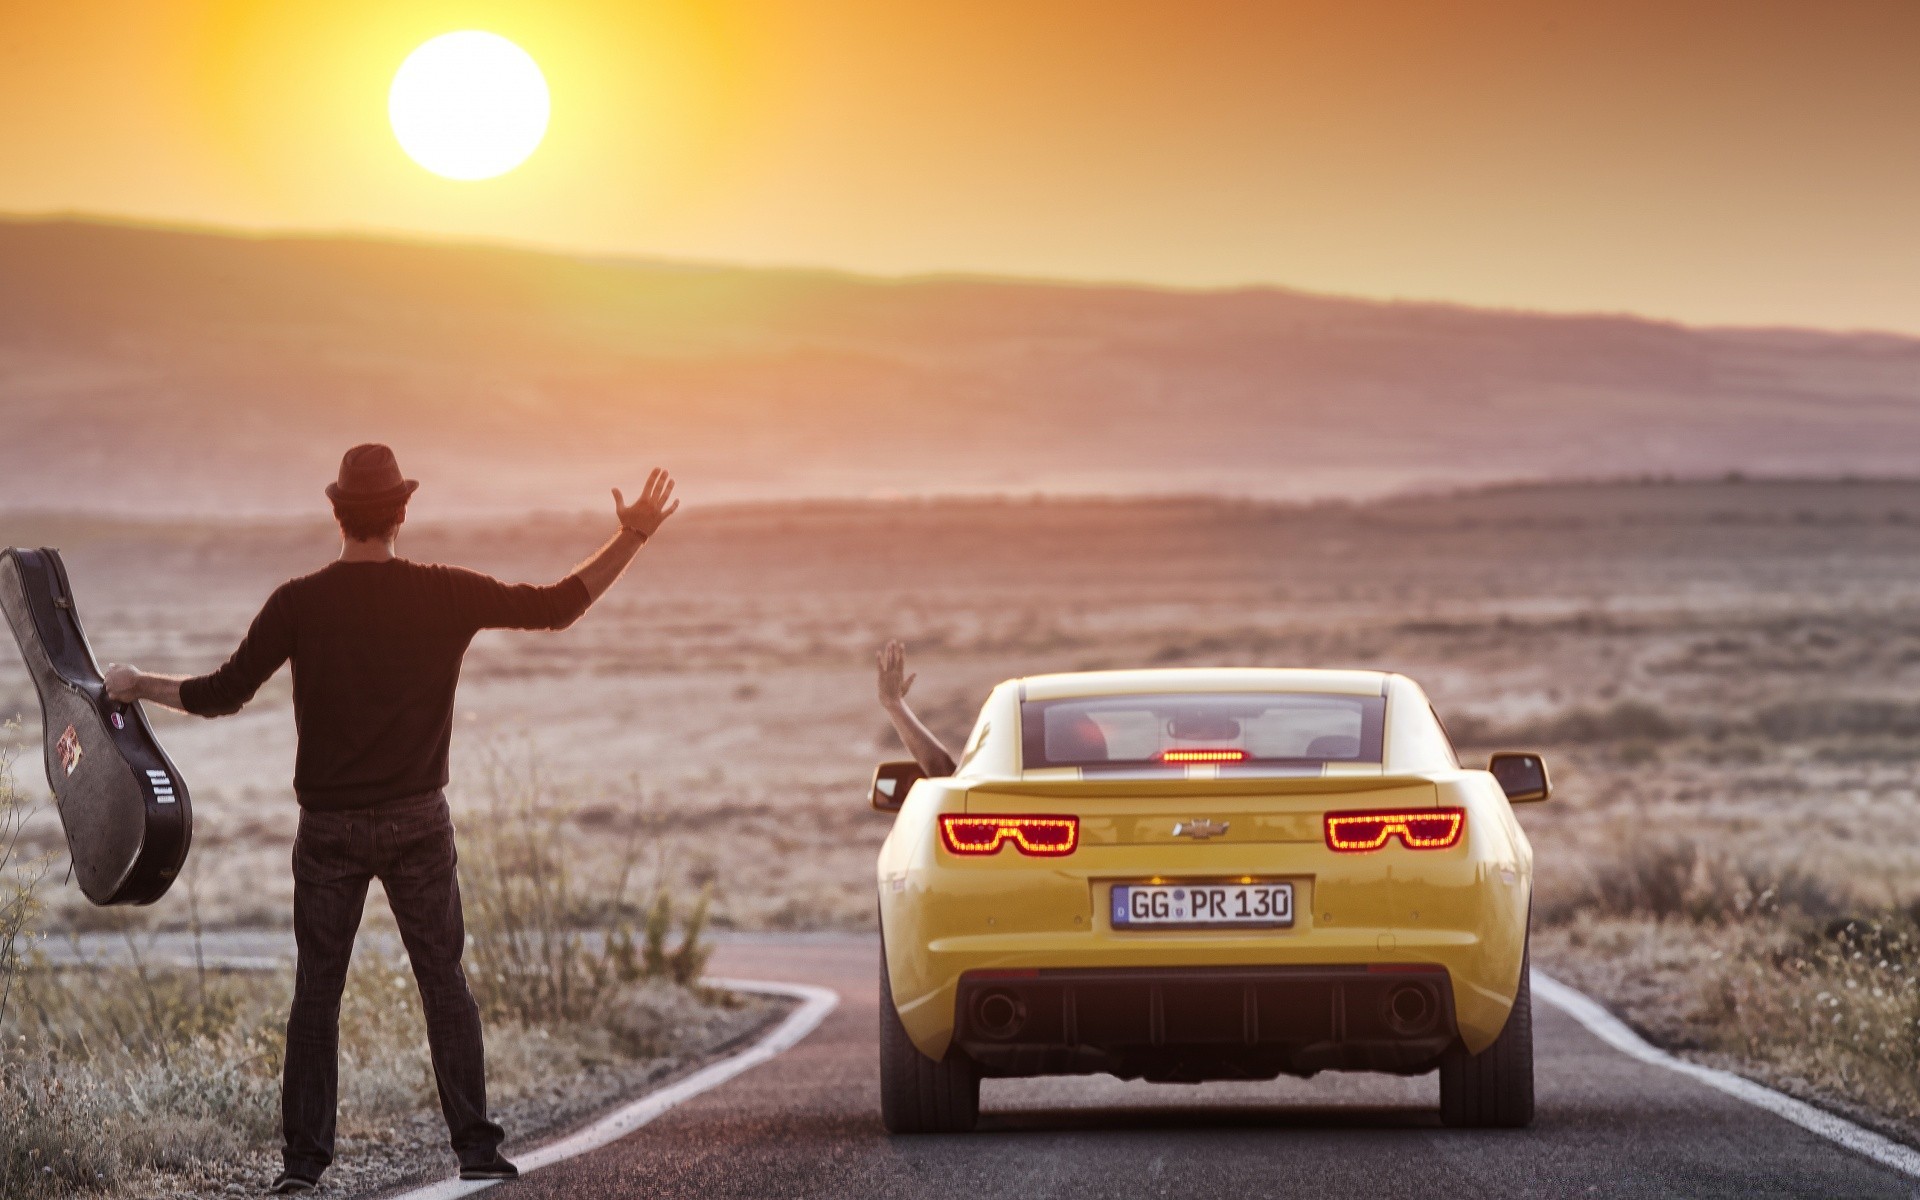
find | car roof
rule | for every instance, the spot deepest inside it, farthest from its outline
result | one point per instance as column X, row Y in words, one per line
column 1203, row 679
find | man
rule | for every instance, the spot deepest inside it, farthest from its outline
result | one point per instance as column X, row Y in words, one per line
column 376, row 643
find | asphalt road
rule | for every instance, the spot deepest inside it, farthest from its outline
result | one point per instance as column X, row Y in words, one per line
column 807, row 1124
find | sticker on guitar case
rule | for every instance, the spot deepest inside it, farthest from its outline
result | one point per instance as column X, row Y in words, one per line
column 68, row 748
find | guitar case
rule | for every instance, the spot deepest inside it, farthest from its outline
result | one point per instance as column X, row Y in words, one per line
column 123, row 805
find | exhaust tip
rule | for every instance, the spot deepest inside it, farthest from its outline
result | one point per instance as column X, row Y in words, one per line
column 999, row 1014
column 1411, row 1008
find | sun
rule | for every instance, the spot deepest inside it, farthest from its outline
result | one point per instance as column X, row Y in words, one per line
column 469, row 105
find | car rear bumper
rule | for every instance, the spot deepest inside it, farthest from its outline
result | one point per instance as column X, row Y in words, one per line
column 1461, row 912
column 1480, row 966
column 1193, row 1023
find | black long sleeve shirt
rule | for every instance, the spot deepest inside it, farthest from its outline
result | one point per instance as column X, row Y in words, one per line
column 376, row 650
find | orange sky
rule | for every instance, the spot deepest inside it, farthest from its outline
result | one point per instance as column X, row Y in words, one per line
column 1732, row 162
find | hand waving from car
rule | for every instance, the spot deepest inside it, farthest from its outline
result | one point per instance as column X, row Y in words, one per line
column 647, row 513
column 894, row 680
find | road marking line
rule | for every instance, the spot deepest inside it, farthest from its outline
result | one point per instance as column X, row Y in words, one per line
column 815, row 1004
column 1614, row 1032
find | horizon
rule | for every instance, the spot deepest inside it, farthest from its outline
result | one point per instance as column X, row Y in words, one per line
column 321, row 517
column 802, row 270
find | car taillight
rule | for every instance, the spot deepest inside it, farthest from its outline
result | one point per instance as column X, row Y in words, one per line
column 1424, row 829
column 1043, row 837
column 1202, row 756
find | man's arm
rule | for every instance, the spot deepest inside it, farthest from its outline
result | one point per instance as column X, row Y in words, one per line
column 919, row 740
column 268, row 644
column 484, row 602
column 127, row 684
column 638, row 523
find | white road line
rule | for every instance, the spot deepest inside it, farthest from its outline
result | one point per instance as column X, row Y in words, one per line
column 1614, row 1032
column 815, row 1004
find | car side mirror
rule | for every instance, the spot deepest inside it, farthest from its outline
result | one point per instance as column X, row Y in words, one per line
column 1523, row 777
column 891, row 783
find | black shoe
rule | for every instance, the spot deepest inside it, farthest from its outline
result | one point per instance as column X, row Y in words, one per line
column 496, row 1167
column 294, row 1183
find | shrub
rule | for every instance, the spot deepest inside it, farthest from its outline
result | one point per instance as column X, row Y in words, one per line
column 1803, row 720
column 20, row 878
column 684, row 964
column 1626, row 720
column 1842, row 1011
column 1834, row 1008
column 1651, row 880
column 53, row 1127
column 1673, row 880
column 533, row 953
column 109, row 1071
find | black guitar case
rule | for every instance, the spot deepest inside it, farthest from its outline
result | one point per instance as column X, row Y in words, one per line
column 122, row 803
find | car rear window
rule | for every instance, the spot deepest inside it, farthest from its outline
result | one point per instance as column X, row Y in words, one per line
column 1232, row 729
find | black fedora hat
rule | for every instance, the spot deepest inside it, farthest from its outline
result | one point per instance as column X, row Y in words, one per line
column 369, row 475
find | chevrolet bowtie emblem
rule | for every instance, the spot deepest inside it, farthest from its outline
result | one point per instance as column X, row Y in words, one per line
column 1201, row 829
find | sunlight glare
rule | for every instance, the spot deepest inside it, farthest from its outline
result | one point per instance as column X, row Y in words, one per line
column 469, row 105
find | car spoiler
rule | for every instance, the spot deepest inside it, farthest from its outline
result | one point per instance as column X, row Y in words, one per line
column 1269, row 785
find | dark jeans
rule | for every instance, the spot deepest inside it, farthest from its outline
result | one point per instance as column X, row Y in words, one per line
column 408, row 847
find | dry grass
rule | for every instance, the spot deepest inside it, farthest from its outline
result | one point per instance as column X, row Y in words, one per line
column 147, row 1081
column 535, row 905
column 1676, row 880
column 21, row 873
column 1774, row 974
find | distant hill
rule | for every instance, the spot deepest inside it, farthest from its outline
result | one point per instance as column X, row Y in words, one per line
column 145, row 369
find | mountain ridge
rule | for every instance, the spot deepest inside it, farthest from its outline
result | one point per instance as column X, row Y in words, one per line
column 197, row 371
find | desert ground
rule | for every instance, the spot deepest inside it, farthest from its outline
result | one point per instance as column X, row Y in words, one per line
column 1725, row 676
column 1729, row 664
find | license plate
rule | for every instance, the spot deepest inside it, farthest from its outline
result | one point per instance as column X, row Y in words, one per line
column 1147, row 905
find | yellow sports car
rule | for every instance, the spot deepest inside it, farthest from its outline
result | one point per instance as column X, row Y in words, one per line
column 1206, row 874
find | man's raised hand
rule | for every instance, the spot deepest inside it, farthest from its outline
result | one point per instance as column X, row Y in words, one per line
column 642, row 517
column 647, row 513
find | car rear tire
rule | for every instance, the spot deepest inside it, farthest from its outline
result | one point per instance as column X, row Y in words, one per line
column 917, row 1094
column 1494, row 1088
